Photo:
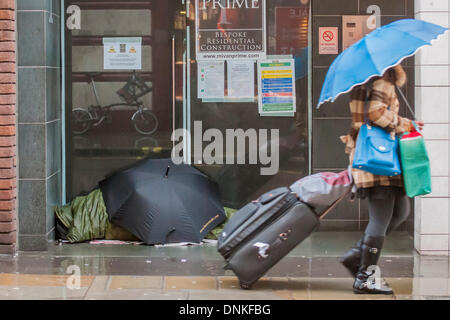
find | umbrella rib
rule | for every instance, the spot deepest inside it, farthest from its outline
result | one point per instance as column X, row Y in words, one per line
column 188, row 218
column 190, row 190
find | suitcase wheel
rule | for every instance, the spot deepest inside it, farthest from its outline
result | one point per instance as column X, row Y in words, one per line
column 245, row 286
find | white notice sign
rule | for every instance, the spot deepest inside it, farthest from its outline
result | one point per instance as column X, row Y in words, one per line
column 241, row 79
column 122, row 53
column 211, row 79
column 328, row 40
column 230, row 29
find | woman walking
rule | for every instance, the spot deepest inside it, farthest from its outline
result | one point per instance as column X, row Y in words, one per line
column 388, row 204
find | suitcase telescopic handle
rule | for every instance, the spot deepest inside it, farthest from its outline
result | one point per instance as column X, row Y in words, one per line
column 334, row 204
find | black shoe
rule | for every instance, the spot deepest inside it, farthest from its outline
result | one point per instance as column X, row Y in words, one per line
column 351, row 259
column 365, row 282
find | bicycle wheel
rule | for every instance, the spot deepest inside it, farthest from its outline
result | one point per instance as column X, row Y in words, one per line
column 145, row 122
column 81, row 121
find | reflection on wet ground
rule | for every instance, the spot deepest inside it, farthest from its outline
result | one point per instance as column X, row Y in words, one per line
column 317, row 256
column 311, row 271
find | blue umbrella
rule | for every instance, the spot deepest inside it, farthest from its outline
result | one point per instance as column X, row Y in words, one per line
column 378, row 51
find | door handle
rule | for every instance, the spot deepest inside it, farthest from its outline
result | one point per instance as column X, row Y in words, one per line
column 173, row 87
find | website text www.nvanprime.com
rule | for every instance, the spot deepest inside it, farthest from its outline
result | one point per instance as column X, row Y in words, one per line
column 232, row 56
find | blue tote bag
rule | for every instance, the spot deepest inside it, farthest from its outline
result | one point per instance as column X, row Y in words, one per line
column 377, row 151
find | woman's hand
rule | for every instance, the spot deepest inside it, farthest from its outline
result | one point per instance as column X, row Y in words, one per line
column 420, row 124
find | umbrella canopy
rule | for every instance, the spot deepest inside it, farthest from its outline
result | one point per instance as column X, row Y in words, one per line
column 375, row 53
column 160, row 202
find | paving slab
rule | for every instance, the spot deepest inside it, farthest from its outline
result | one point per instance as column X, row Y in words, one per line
column 196, row 283
column 339, row 289
column 40, row 293
column 135, row 282
column 138, row 294
column 233, row 294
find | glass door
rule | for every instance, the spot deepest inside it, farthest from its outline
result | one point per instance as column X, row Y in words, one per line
column 235, row 83
column 231, row 75
column 122, row 88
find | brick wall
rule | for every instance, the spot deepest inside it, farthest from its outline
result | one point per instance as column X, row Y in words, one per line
column 8, row 238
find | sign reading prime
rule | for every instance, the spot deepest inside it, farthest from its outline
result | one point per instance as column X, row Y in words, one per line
column 230, row 29
column 231, row 4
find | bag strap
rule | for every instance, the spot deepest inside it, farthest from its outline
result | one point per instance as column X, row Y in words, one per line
column 406, row 101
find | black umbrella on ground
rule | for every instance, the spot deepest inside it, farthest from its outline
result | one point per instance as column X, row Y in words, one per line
column 161, row 202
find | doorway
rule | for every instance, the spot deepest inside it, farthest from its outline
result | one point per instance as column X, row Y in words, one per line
column 230, row 36
column 106, row 92
column 118, row 88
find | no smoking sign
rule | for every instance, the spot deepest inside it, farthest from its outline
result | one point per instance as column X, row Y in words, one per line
column 328, row 40
column 328, row 36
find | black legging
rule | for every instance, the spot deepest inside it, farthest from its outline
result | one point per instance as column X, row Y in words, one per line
column 388, row 209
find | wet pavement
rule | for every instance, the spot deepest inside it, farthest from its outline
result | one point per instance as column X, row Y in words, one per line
column 311, row 271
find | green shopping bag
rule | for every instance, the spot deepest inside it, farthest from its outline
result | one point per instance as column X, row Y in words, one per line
column 415, row 164
column 414, row 159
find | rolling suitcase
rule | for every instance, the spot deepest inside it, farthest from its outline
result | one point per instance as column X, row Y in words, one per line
column 265, row 231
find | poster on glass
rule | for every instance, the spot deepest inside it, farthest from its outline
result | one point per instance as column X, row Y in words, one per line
column 230, row 29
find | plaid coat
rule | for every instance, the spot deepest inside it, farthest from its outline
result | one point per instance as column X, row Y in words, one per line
column 383, row 112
